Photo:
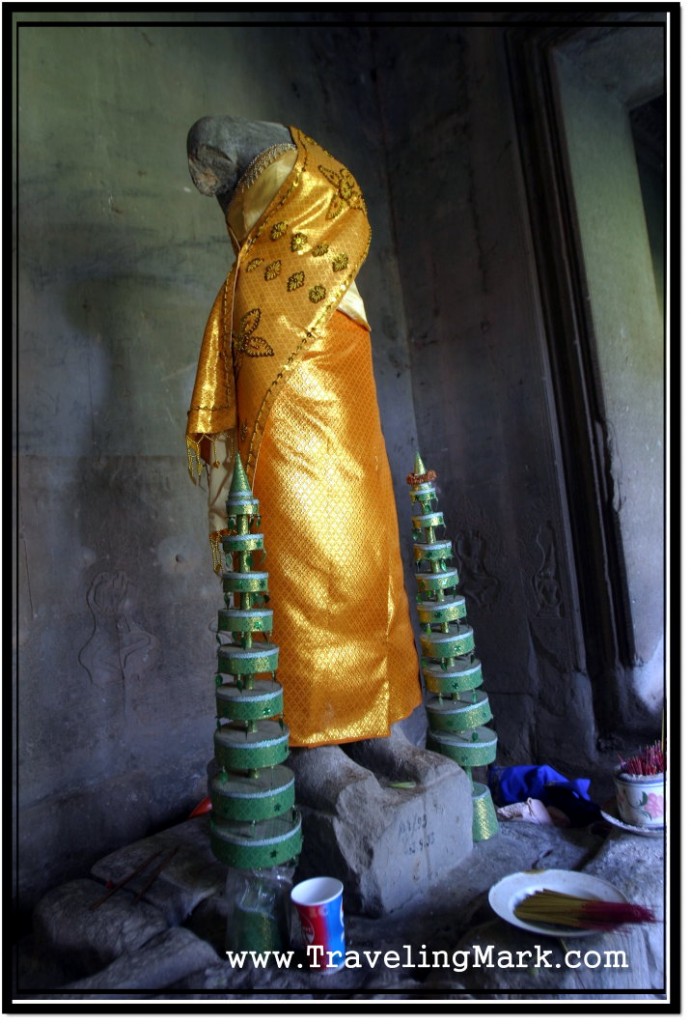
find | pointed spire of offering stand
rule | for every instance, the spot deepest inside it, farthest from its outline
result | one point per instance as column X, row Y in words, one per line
column 254, row 822
column 457, row 709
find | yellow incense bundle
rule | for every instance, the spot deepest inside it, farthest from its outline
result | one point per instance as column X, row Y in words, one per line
column 561, row 909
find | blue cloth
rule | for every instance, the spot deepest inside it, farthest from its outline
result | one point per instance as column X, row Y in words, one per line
column 541, row 782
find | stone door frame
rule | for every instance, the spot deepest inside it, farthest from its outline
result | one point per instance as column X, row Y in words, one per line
column 599, row 562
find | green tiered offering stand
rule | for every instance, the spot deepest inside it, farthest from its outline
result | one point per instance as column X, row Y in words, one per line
column 457, row 710
column 255, row 826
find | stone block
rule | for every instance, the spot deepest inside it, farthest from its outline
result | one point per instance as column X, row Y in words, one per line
column 386, row 818
column 87, row 939
column 490, row 957
column 497, row 958
column 160, row 964
column 209, row 921
column 636, row 866
column 193, row 874
column 36, row 969
column 242, row 982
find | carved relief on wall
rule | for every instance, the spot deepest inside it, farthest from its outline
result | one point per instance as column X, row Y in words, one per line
column 119, row 649
column 545, row 582
column 478, row 583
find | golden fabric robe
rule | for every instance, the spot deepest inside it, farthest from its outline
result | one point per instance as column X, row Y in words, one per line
column 287, row 375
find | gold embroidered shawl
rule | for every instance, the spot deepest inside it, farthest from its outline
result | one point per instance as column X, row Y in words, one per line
column 292, row 270
column 348, row 663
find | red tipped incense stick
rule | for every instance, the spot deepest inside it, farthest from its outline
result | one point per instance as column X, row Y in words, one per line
column 557, row 908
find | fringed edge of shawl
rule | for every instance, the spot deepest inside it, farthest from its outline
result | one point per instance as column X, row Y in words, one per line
column 215, row 539
column 195, row 460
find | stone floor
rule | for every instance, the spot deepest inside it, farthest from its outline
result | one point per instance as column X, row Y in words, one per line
column 169, row 944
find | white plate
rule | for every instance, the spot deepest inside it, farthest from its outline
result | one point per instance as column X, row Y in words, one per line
column 505, row 896
column 640, row 830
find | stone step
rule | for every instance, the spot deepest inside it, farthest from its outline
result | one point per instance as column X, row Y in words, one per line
column 156, row 966
column 191, row 876
column 87, row 939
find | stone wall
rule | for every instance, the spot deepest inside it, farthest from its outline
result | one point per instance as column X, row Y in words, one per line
column 481, row 379
column 120, row 259
column 628, row 342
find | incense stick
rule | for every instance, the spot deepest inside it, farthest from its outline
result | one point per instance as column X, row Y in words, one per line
column 128, row 878
column 155, row 873
column 556, row 908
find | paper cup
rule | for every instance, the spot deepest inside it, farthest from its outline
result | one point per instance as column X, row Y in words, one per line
column 319, row 904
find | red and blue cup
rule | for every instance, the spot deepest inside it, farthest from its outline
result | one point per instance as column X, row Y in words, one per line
column 319, row 904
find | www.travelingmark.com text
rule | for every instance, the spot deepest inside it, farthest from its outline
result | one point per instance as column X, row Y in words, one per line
column 458, row 960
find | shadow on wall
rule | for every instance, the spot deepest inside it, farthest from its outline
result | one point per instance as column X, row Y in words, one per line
column 115, row 714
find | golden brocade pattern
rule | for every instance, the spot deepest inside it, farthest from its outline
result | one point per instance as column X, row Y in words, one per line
column 296, row 280
column 278, row 230
column 348, row 663
column 299, row 241
column 346, row 194
column 290, row 375
column 246, row 341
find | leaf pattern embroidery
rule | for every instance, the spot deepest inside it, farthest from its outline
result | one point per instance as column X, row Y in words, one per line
column 346, row 193
column 296, row 280
column 246, row 342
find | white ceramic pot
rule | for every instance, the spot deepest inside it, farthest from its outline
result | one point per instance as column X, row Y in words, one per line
column 640, row 799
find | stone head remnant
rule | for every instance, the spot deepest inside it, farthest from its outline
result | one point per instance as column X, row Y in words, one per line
column 220, row 149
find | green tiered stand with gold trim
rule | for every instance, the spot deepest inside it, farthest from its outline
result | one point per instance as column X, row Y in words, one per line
column 255, row 826
column 457, row 709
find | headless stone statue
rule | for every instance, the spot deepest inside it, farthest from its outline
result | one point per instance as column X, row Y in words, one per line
column 298, row 222
column 229, row 158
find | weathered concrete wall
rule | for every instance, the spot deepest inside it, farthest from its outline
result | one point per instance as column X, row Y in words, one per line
column 628, row 340
column 119, row 262
column 481, row 378
column 653, row 190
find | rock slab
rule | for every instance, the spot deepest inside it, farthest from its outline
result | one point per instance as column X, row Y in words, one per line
column 388, row 825
column 190, row 873
column 495, row 958
column 85, row 937
column 159, row 965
